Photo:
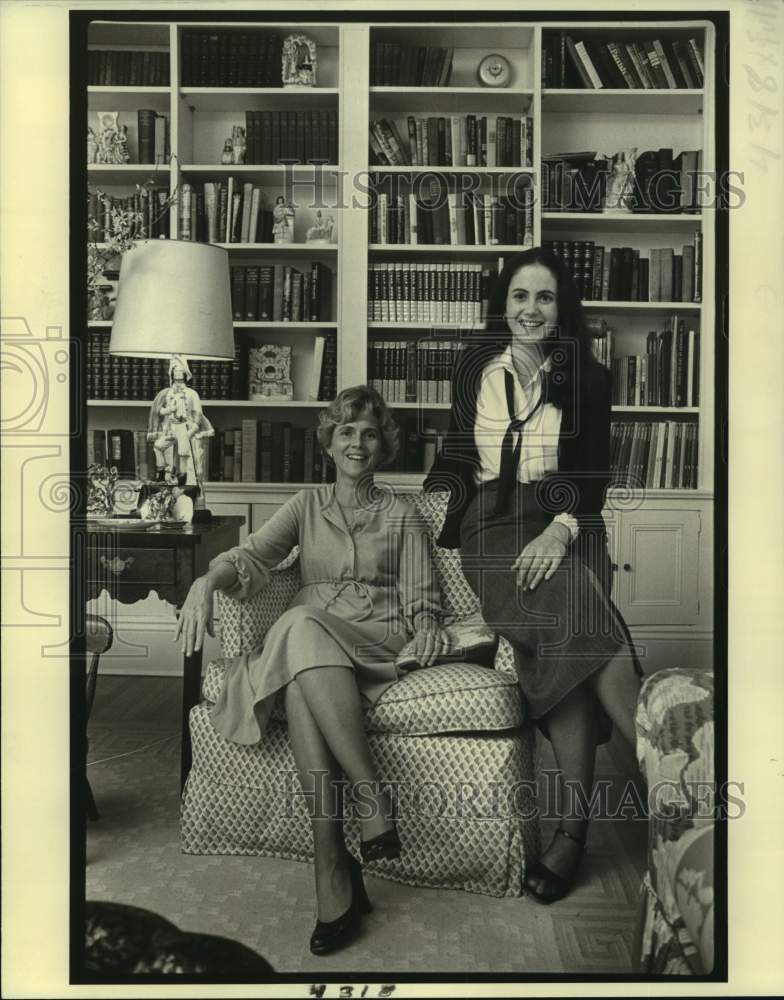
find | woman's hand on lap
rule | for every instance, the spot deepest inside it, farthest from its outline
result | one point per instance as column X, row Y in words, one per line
column 195, row 617
column 541, row 557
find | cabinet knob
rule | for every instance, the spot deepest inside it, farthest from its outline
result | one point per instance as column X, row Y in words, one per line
column 627, row 567
column 615, row 567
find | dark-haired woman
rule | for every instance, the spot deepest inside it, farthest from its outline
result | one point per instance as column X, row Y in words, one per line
column 526, row 459
column 367, row 585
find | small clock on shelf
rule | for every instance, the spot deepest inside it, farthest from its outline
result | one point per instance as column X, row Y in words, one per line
column 494, row 71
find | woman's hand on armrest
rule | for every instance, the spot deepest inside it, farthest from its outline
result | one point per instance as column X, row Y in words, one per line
column 196, row 614
column 429, row 642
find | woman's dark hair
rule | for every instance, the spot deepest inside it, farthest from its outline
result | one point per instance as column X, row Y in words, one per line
column 350, row 405
column 571, row 325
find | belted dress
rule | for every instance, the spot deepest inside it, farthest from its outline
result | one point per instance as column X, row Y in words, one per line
column 365, row 583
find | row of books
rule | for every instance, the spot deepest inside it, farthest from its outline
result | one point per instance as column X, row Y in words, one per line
column 153, row 136
column 448, row 218
column 214, row 58
column 623, row 274
column 393, row 64
column 127, row 68
column 224, row 212
column 655, row 454
column 148, row 208
column 596, row 63
column 281, row 293
column 128, row 451
column 291, row 136
column 602, row 340
column 428, row 292
column 123, row 377
column 668, row 374
column 660, row 182
column 454, row 141
column 413, row 371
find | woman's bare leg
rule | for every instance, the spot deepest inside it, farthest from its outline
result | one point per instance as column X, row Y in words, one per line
column 617, row 687
column 333, row 699
column 319, row 775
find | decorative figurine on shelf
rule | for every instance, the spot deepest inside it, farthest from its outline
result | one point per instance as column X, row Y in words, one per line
column 92, row 146
column 227, row 156
column 238, row 144
column 299, row 61
column 282, row 221
column 112, row 139
column 270, row 372
column 620, row 183
column 176, row 426
column 322, row 230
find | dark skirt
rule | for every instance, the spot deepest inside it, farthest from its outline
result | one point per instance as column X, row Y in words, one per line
column 564, row 630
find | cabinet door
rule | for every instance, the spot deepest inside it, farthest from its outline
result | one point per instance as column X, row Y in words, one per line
column 658, row 567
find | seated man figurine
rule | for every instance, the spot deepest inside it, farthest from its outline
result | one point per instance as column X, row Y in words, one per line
column 177, row 424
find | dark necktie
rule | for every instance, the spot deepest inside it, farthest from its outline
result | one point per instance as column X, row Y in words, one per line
column 510, row 458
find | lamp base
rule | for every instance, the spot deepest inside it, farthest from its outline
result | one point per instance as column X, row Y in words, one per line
column 201, row 515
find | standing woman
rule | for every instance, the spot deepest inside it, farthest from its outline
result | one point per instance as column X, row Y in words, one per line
column 367, row 584
column 527, row 461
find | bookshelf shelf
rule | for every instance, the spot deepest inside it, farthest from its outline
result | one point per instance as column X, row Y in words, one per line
column 127, row 98
column 258, row 98
column 288, row 404
column 400, row 325
column 674, row 410
column 479, row 171
column 313, row 249
column 633, row 222
column 127, row 173
column 271, row 172
column 419, row 406
column 610, row 101
column 462, row 100
column 283, row 325
column 440, row 248
column 637, row 307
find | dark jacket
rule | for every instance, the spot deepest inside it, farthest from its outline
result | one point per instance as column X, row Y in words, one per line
column 583, row 475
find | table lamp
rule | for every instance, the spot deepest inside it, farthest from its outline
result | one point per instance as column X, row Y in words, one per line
column 174, row 301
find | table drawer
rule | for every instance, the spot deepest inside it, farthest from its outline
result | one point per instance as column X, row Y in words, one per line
column 131, row 565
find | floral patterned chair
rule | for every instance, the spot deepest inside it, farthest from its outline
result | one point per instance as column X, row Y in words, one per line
column 451, row 738
column 675, row 751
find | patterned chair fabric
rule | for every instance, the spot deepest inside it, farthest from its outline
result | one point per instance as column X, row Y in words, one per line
column 450, row 739
column 675, row 751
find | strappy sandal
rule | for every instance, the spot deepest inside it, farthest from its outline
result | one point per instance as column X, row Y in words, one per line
column 556, row 886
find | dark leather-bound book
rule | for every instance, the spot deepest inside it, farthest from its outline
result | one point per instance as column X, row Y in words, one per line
column 120, row 451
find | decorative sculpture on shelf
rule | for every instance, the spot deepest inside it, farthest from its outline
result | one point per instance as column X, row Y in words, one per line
column 282, row 221
column 270, row 372
column 238, row 144
column 227, row 156
column 176, row 426
column 322, row 230
column 112, row 139
column 620, row 183
column 92, row 146
column 299, row 61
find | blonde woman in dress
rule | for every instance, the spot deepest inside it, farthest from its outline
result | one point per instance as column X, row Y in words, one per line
column 367, row 586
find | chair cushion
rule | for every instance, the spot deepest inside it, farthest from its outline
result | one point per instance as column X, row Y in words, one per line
column 450, row 698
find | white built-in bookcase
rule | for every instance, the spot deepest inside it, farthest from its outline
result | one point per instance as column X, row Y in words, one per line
column 662, row 539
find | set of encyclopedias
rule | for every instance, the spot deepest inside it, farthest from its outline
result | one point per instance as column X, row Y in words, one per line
column 428, row 292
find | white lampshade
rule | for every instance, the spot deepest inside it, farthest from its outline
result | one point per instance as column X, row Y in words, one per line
column 174, row 297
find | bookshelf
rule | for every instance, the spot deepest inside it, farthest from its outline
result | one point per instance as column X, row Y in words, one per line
column 670, row 526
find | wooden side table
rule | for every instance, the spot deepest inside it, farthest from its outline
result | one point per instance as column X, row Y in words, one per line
column 132, row 563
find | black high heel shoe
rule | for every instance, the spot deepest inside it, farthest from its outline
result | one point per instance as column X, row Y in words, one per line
column 555, row 886
column 384, row 847
column 330, row 935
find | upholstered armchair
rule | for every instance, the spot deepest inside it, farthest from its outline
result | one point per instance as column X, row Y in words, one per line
column 451, row 739
column 675, row 751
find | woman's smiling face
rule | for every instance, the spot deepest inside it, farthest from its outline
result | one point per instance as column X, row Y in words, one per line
column 357, row 447
column 531, row 304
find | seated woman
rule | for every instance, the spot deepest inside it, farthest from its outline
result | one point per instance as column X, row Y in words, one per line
column 367, row 584
column 527, row 461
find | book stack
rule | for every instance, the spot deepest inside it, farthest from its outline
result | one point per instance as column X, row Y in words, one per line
column 666, row 375
column 148, row 207
column 266, row 451
column 597, row 62
column 454, row 141
column 418, row 444
column 439, row 216
column 428, row 292
column 655, row 455
column 281, row 293
column 663, row 183
column 623, row 274
column 395, row 65
column 291, row 137
column 127, row 68
column 411, row 371
column 217, row 58
column 602, row 338
column 153, row 132
column 224, row 212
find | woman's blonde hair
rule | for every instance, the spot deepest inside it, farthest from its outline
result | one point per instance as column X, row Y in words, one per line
column 350, row 405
